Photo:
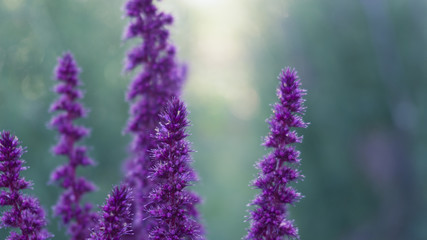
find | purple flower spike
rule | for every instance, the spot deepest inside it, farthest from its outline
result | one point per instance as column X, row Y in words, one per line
column 171, row 205
column 116, row 217
column 160, row 78
column 25, row 212
column 78, row 217
column 279, row 168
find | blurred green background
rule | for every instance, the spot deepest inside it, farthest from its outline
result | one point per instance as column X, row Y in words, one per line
column 363, row 62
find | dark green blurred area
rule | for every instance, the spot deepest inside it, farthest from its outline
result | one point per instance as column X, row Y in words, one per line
column 363, row 62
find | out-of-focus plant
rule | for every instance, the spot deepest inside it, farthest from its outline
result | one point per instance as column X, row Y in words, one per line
column 159, row 79
column 77, row 216
column 278, row 168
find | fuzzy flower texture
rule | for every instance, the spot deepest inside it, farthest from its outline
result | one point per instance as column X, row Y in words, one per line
column 279, row 168
column 25, row 212
column 172, row 205
column 78, row 217
column 159, row 78
column 116, row 216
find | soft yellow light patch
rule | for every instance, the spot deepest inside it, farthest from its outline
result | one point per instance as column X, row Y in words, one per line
column 203, row 3
column 246, row 104
column 12, row 4
column 220, row 68
column 33, row 88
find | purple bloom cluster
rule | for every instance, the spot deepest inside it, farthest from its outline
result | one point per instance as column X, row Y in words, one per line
column 160, row 78
column 159, row 172
column 116, row 216
column 77, row 216
column 171, row 204
column 25, row 212
column 279, row 168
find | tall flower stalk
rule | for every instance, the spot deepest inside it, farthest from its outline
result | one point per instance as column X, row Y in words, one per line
column 77, row 216
column 172, row 206
column 269, row 220
column 25, row 212
column 159, row 79
column 116, row 217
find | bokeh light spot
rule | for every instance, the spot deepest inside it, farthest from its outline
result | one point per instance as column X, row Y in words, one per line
column 12, row 4
column 33, row 88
